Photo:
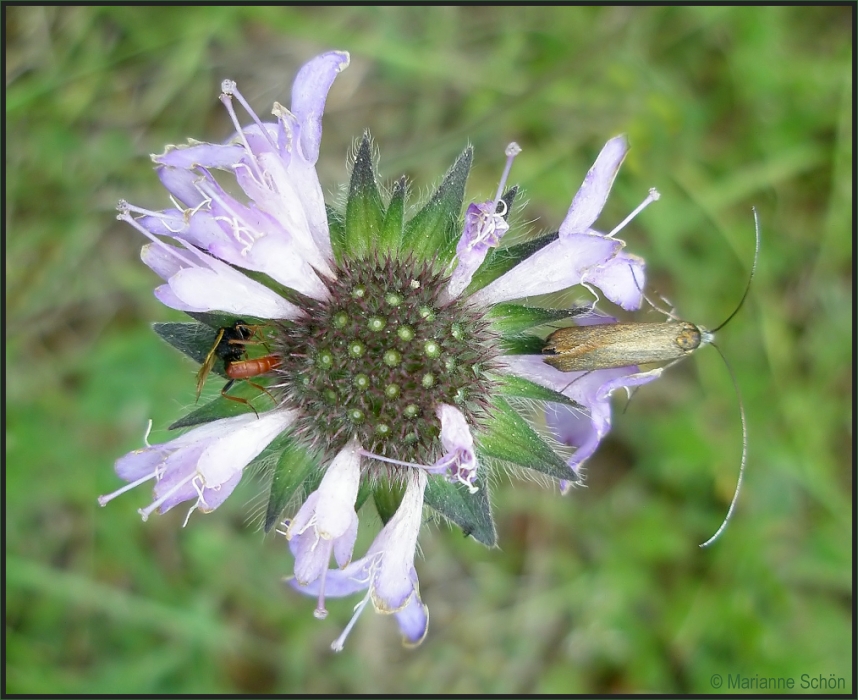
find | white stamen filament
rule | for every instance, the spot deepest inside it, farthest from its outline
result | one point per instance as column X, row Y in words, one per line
column 233, row 90
column 236, row 223
column 188, row 213
column 226, row 98
column 146, row 434
column 285, row 531
column 364, row 453
column 148, row 510
column 337, row 644
column 512, row 150
column 653, row 196
column 320, row 613
column 283, row 114
column 198, row 484
column 148, row 212
column 104, row 500
column 171, row 249
column 206, row 189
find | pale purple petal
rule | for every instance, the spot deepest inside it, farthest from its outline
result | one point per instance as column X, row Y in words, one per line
column 179, row 463
column 304, row 515
column 338, row 492
column 344, row 545
column 591, row 390
column 387, row 570
column 160, row 260
column 212, row 498
column 169, row 299
column 459, row 459
column 327, row 521
column 181, row 183
column 313, row 554
column 309, row 92
column 240, row 446
column 594, row 318
column 205, row 232
column 199, row 282
column 593, row 193
column 306, row 183
column 215, row 454
column 293, row 198
column 208, row 155
column 230, row 291
column 620, row 279
column 138, row 463
column 560, row 264
column 413, row 621
column 570, row 426
column 595, row 394
column 397, row 543
column 187, row 492
column 339, row 582
column 168, row 223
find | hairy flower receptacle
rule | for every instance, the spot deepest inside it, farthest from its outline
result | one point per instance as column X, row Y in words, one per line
column 375, row 359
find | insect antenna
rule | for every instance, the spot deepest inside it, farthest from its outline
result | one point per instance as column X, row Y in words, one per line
column 744, row 451
column 735, row 381
column 750, row 277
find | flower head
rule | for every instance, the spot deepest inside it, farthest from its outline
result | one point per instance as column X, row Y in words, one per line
column 388, row 347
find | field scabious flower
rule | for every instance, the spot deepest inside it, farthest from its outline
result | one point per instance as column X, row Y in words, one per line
column 405, row 362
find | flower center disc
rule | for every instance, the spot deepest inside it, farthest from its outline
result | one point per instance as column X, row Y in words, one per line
column 377, row 358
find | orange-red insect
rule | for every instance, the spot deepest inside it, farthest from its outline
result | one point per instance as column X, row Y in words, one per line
column 230, row 346
column 244, row 369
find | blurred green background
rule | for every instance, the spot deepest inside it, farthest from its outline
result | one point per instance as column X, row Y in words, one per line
column 604, row 590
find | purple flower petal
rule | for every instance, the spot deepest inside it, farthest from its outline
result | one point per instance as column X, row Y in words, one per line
column 338, row 582
column 593, row 193
column 169, row 299
column 160, row 260
column 181, row 183
column 592, row 390
column 207, row 155
column 309, row 92
column 138, row 463
column 241, row 445
column 413, row 621
column 387, row 570
column 204, row 464
column 216, row 291
column 621, row 280
column 561, row 264
column 205, row 232
column 327, row 522
column 213, row 497
column 459, row 460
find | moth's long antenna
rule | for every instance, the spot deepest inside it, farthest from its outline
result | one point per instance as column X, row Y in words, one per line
column 750, row 278
column 744, row 451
